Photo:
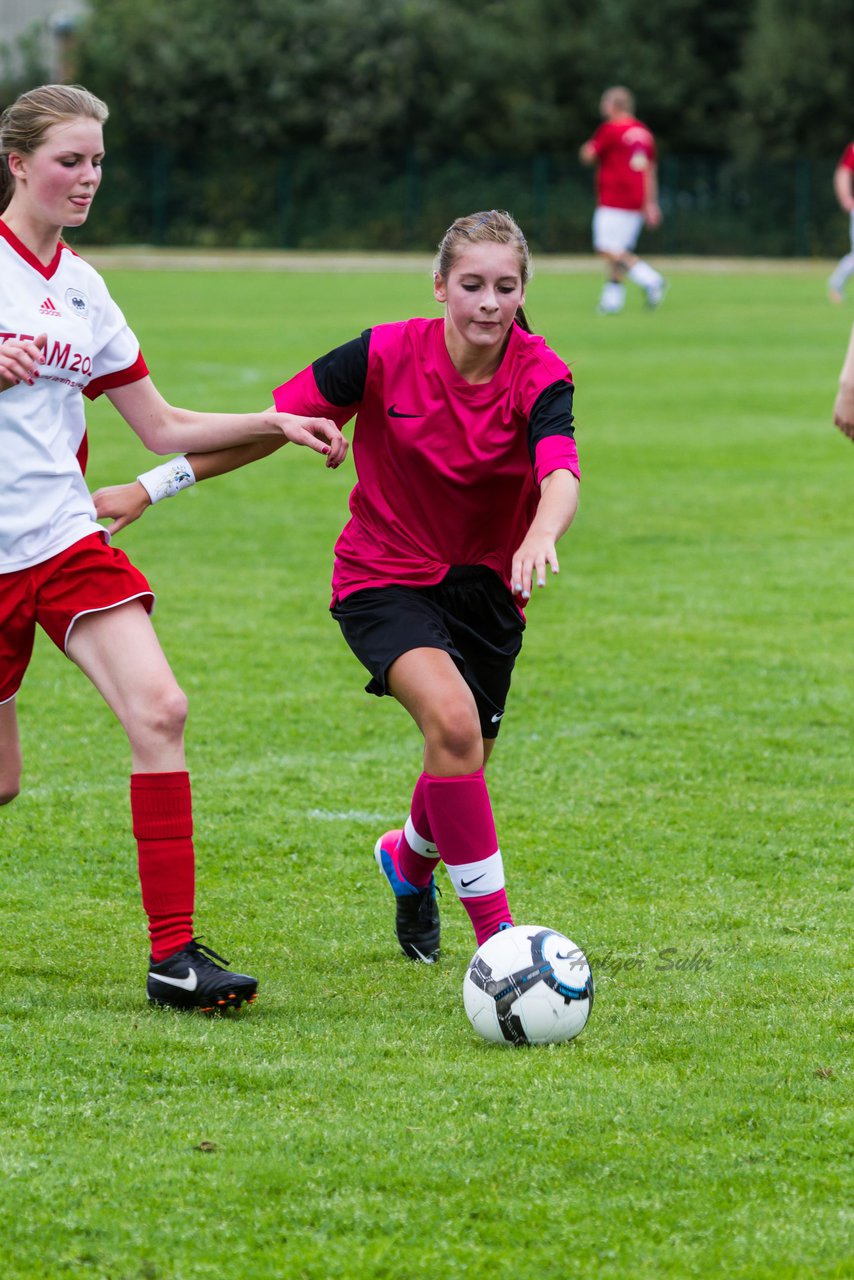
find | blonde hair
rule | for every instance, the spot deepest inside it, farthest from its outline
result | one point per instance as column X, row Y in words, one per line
column 24, row 124
column 492, row 227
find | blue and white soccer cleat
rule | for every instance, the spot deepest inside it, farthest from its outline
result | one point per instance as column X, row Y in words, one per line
column 417, row 918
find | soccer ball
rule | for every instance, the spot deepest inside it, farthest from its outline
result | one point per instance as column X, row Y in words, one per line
column 528, row 985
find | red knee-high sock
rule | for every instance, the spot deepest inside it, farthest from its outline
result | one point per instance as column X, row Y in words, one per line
column 162, row 812
column 460, row 816
column 416, row 851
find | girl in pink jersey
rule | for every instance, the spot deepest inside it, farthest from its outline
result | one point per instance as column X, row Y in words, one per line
column 62, row 336
column 467, row 477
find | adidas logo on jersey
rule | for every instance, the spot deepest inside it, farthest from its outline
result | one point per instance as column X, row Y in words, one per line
column 47, row 308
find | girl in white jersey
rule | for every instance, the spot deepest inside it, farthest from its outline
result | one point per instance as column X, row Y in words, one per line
column 467, row 477
column 62, row 337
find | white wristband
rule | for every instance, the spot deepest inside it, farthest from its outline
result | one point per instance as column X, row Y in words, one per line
column 168, row 479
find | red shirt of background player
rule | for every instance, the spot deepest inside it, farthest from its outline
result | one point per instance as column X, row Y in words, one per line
column 624, row 150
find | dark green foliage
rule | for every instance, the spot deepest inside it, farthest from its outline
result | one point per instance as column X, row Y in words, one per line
column 436, row 74
column 340, row 122
column 795, row 82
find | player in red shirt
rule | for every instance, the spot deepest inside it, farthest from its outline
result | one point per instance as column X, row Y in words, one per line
column 843, row 185
column 623, row 149
column 63, row 337
column 467, row 477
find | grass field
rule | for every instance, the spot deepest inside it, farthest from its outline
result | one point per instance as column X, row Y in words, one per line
column 672, row 788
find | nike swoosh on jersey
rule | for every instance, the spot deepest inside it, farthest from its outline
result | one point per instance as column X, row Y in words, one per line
column 393, row 412
column 466, row 884
column 187, row 984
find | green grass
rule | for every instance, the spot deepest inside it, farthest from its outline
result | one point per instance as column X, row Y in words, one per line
column 672, row 787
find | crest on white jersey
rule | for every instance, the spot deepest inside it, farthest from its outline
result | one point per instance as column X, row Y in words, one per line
column 78, row 301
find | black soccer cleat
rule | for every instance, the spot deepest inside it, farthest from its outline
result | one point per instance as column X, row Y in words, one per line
column 417, row 925
column 417, row 918
column 191, row 980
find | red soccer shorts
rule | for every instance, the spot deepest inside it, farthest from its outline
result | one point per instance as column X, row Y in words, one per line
column 85, row 578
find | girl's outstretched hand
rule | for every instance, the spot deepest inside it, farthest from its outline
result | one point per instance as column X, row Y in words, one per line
column 124, row 503
column 320, row 434
column 555, row 511
column 529, row 564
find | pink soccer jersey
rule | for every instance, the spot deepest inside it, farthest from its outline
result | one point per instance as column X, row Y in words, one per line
column 448, row 472
column 625, row 149
column 45, row 506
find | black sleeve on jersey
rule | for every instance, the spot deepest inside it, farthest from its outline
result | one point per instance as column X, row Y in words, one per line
column 340, row 374
column 551, row 415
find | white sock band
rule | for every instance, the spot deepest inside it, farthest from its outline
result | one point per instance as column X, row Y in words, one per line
column 417, row 843
column 613, row 296
column 644, row 275
column 474, row 879
column 168, row 479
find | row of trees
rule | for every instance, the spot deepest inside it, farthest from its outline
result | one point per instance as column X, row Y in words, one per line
column 202, row 92
column 750, row 78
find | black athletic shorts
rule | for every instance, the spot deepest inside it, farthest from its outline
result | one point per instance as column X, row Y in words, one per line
column 470, row 614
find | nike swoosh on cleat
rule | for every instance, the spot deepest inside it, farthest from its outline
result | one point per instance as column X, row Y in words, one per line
column 393, row 412
column 466, row 884
column 421, row 955
column 187, row 984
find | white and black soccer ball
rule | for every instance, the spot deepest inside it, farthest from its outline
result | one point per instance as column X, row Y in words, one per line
column 528, row 985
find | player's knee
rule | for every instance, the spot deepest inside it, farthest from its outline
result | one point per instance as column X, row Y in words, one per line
column 455, row 731
column 163, row 713
column 172, row 711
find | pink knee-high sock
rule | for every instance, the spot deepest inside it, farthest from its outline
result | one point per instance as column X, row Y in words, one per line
column 416, row 852
column 162, row 813
column 460, row 817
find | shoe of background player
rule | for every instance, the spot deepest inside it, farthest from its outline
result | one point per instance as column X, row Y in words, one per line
column 417, row 919
column 612, row 299
column 655, row 293
column 191, row 979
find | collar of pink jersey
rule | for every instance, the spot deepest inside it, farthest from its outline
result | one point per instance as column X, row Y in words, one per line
column 453, row 376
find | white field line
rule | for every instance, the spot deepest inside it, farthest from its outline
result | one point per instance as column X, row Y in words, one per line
column 53, row 791
column 349, row 815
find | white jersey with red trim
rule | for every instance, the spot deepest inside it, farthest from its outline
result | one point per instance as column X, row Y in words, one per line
column 45, row 505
